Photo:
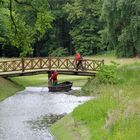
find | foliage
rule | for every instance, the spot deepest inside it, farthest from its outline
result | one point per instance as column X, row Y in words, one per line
column 122, row 31
column 22, row 31
column 84, row 20
column 108, row 74
column 89, row 26
column 58, row 36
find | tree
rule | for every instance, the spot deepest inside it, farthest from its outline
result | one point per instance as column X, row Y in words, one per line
column 22, row 29
column 122, row 29
column 85, row 25
column 58, row 36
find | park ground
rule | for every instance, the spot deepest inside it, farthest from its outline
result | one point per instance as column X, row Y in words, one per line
column 113, row 115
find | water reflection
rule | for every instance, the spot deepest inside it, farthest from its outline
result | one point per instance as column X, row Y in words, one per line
column 20, row 115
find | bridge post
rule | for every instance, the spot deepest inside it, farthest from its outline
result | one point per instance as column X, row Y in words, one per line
column 22, row 62
column 49, row 63
column 49, row 75
column 103, row 61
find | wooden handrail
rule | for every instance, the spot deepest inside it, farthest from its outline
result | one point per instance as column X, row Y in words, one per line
column 48, row 63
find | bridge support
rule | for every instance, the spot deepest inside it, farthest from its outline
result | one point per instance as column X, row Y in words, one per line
column 49, row 74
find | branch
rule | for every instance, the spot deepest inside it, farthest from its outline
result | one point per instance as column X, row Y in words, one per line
column 51, row 6
column 26, row 3
column 12, row 18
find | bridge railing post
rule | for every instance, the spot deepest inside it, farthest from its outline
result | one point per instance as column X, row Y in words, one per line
column 49, row 63
column 5, row 66
column 40, row 59
column 22, row 63
column 103, row 62
column 75, row 64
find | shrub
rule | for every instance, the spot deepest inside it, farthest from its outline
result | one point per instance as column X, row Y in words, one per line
column 108, row 74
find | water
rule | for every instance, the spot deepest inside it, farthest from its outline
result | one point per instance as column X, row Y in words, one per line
column 21, row 114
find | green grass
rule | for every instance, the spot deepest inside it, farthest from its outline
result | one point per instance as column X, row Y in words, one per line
column 126, row 129
column 115, row 113
column 74, row 132
column 8, row 88
column 42, row 80
column 93, row 114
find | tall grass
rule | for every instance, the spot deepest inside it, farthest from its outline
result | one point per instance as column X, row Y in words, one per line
column 115, row 113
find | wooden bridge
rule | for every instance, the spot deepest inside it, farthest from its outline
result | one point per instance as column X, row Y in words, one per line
column 32, row 66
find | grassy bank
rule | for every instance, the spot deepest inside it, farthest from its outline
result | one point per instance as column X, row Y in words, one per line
column 66, row 129
column 113, row 115
column 8, row 88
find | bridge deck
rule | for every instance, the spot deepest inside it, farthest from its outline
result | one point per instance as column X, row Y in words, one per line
column 14, row 74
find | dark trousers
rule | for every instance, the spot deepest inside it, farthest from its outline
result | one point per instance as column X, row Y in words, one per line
column 78, row 64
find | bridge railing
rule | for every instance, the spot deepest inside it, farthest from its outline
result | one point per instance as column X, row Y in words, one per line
column 48, row 63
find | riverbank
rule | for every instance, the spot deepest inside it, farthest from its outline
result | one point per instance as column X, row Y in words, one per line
column 11, row 86
column 113, row 115
column 8, row 88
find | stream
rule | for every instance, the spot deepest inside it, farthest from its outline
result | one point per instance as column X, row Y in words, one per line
column 28, row 114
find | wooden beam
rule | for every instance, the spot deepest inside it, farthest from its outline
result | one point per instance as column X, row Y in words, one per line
column 27, row 73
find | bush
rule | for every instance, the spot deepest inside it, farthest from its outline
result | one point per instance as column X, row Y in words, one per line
column 108, row 74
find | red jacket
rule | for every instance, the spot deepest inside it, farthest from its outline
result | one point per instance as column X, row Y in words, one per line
column 54, row 76
column 78, row 56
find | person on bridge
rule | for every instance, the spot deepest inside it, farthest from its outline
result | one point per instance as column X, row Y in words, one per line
column 53, row 79
column 78, row 58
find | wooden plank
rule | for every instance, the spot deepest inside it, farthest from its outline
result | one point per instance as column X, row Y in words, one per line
column 14, row 74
